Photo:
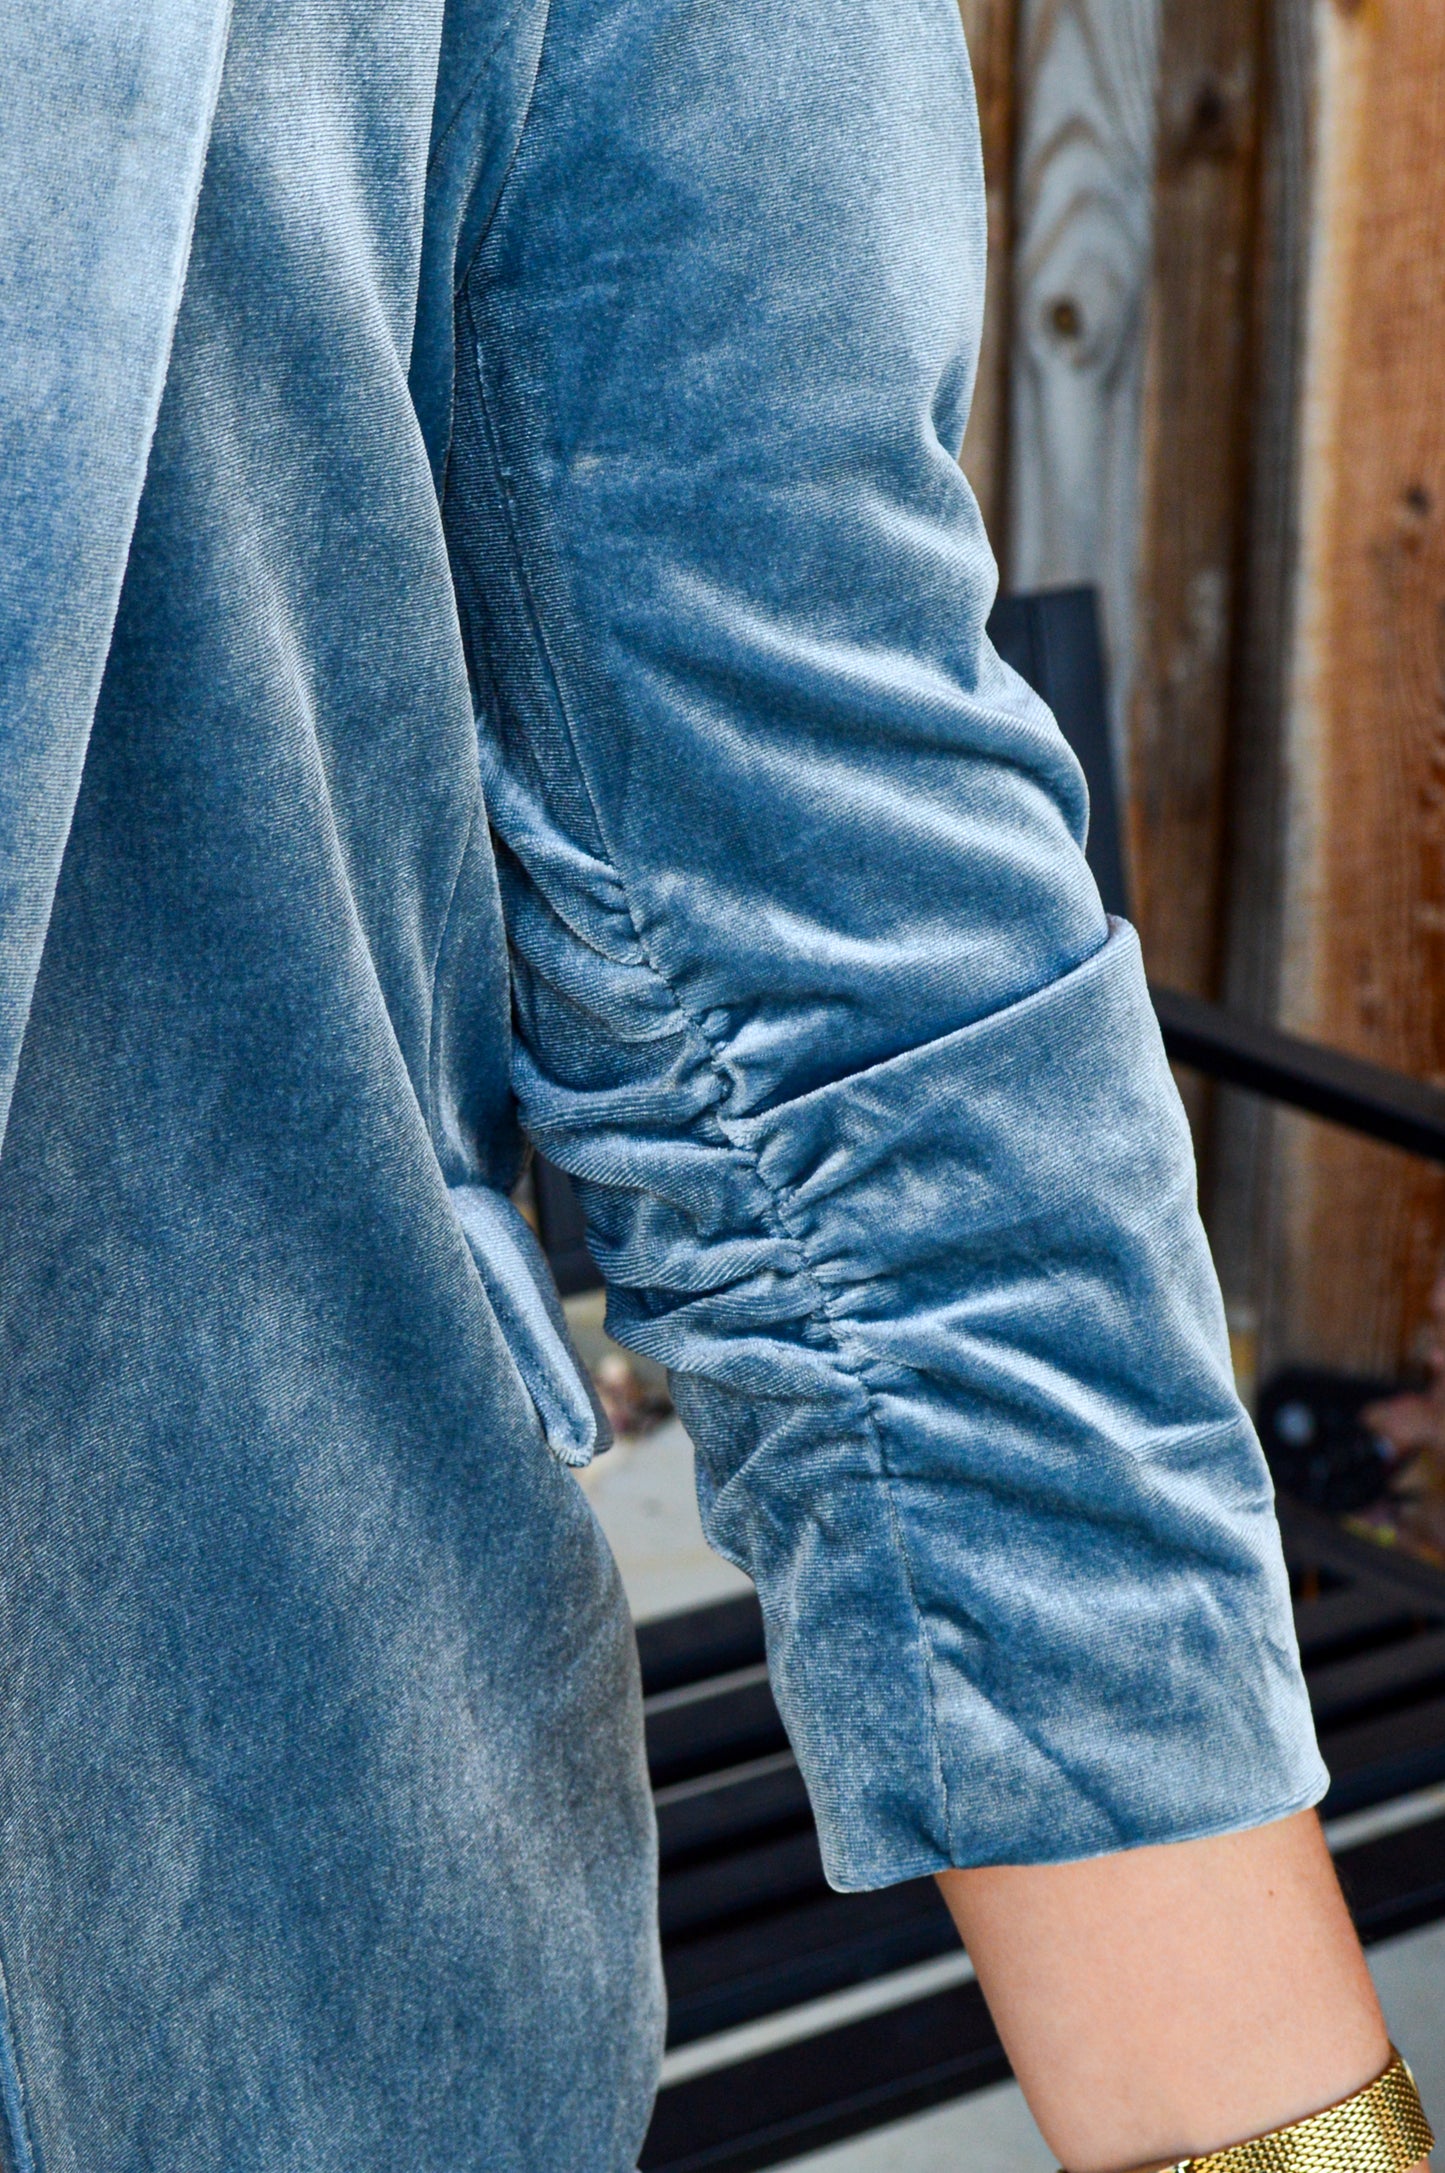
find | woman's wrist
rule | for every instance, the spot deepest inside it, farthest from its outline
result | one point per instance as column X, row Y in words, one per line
column 1379, row 2129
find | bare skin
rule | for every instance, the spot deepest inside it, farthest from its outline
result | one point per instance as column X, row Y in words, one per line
column 1165, row 2002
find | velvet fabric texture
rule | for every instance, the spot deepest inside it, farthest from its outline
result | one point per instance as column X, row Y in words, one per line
column 491, row 644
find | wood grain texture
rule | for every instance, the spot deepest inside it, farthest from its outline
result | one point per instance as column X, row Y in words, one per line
column 1086, row 121
column 1240, row 1160
column 990, row 27
column 1363, row 955
column 1193, row 471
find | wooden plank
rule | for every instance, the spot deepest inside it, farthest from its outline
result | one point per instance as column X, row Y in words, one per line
column 1086, row 125
column 1359, row 1230
column 1194, row 466
column 1240, row 1160
column 990, row 27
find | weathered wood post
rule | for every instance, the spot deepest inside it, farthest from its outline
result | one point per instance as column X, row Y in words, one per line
column 991, row 27
column 1214, row 386
column 1194, row 469
column 1083, row 211
column 1356, row 1232
column 1130, row 348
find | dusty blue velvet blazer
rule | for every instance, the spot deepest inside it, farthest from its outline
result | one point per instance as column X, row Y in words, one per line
column 491, row 646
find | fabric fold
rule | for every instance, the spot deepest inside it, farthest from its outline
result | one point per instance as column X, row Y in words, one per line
column 523, row 1296
column 99, row 217
column 958, row 1378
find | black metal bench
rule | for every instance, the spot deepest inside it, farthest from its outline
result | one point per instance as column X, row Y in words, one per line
column 750, row 1928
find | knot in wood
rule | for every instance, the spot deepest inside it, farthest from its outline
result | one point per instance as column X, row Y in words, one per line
column 1065, row 318
column 1206, row 120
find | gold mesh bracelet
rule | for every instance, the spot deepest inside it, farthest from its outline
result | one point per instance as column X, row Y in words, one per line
column 1381, row 2129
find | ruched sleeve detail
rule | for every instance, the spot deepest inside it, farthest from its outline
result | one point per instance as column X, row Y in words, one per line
column 947, row 1337
column 813, row 993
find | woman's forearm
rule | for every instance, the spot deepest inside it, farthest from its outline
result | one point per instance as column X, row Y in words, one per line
column 1164, row 2002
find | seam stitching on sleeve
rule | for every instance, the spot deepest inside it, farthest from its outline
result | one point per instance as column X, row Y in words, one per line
column 771, row 1194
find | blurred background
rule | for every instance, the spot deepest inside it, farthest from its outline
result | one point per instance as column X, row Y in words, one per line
column 1214, row 387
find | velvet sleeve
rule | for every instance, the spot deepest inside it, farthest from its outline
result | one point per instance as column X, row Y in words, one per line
column 814, row 995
